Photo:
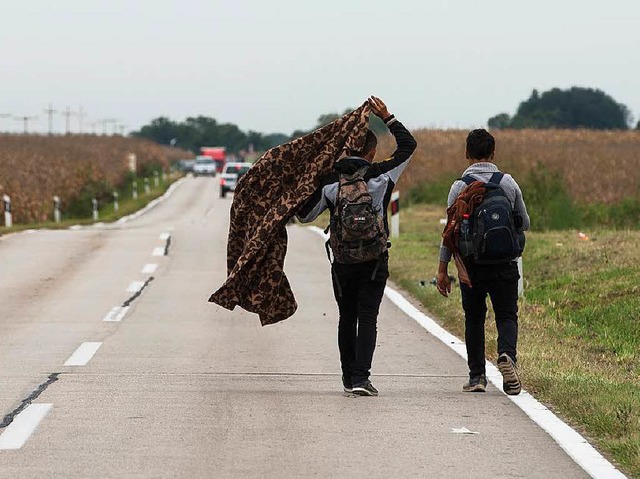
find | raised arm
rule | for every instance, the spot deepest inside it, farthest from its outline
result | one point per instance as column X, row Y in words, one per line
column 406, row 143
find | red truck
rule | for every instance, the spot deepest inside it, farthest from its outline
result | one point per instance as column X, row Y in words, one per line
column 217, row 154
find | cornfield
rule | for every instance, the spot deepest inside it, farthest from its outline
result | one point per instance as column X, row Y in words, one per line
column 34, row 168
column 595, row 166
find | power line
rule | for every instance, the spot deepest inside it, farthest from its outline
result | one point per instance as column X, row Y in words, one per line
column 25, row 120
column 67, row 116
column 50, row 111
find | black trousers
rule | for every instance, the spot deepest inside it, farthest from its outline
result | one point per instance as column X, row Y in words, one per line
column 500, row 283
column 358, row 297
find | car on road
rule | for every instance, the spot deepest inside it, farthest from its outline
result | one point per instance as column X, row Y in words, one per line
column 230, row 175
column 186, row 166
column 204, row 166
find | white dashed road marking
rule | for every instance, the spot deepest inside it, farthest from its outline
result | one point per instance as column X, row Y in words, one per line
column 17, row 433
column 135, row 286
column 149, row 268
column 159, row 251
column 83, row 354
column 165, row 236
column 116, row 314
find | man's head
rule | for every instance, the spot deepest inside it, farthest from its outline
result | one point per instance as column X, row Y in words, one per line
column 368, row 151
column 481, row 146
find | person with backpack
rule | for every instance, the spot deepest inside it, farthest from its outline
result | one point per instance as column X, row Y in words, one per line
column 357, row 194
column 487, row 218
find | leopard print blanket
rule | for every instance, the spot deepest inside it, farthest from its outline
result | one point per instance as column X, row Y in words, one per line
column 266, row 197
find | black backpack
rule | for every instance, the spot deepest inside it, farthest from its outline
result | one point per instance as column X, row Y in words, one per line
column 493, row 233
column 357, row 228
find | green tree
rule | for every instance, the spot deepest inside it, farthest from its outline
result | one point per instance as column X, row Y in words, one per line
column 194, row 132
column 500, row 121
column 572, row 108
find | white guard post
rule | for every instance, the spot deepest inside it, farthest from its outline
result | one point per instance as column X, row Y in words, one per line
column 134, row 194
column 8, row 218
column 56, row 209
column 94, row 202
column 156, row 179
column 521, row 280
column 116, row 206
column 395, row 214
column 146, row 186
column 133, row 162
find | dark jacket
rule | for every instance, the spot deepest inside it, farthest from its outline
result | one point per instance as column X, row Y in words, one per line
column 381, row 177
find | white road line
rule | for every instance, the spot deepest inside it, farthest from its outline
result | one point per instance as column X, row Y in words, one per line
column 135, row 286
column 165, row 236
column 576, row 446
column 152, row 204
column 75, row 227
column 159, row 251
column 116, row 314
column 24, row 424
column 83, row 354
column 149, row 268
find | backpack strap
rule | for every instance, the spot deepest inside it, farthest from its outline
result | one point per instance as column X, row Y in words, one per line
column 468, row 179
column 496, row 178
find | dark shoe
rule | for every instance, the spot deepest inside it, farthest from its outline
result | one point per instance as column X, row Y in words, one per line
column 346, row 384
column 510, row 379
column 476, row 384
column 365, row 389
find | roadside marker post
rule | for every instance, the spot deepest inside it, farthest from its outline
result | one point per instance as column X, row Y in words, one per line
column 146, row 186
column 116, row 206
column 164, row 176
column 56, row 209
column 94, row 202
column 156, row 179
column 395, row 214
column 8, row 217
column 134, row 193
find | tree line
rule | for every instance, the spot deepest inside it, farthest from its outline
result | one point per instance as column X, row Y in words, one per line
column 575, row 107
column 195, row 132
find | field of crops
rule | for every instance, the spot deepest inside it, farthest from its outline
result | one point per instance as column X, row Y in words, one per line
column 34, row 168
column 594, row 166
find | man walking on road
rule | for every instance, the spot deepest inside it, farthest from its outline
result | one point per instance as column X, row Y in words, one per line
column 357, row 194
column 497, row 277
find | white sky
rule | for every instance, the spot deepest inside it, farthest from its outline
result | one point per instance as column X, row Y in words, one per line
column 275, row 66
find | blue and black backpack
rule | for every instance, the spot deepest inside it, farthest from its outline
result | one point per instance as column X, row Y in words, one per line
column 493, row 233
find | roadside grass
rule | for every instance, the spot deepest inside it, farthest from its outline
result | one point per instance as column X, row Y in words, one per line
column 127, row 205
column 579, row 345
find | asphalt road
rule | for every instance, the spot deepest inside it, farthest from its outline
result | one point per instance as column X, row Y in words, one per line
column 183, row 388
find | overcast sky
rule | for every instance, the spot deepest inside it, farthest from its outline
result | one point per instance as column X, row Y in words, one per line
column 275, row 66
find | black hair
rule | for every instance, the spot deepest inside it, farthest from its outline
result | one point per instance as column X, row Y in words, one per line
column 480, row 144
column 370, row 143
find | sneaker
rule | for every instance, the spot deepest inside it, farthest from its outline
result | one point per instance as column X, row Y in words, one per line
column 346, row 384
column 510, row 379
column 365, row 389
column 476, row 384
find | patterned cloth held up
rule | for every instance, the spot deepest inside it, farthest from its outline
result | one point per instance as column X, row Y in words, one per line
column 266, row 197
column 465, row 204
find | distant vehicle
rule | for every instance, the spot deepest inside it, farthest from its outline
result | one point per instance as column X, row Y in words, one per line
column 217, row 154
column 230, row 175
column 186, row 165
column 204, row 166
